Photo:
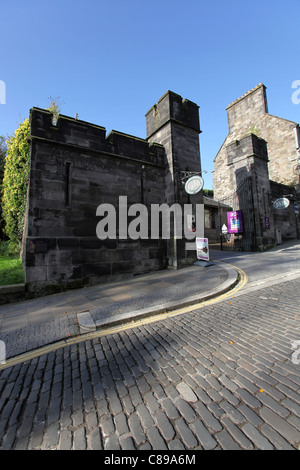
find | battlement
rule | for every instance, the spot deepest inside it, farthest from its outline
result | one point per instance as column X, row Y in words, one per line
column 244, row 111
column 171, row 107
column 84, row 135
column 249, row 92
column 135, row 147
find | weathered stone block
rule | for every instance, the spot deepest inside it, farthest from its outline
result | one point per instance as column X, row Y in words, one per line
column 35, row 273
column 68, row 243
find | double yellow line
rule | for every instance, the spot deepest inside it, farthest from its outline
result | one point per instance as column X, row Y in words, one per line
column 125, row 326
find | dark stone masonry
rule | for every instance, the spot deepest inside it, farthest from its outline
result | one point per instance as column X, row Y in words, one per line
column 75, row 167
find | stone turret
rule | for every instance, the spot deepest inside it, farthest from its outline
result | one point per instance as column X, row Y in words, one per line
column 174, row 123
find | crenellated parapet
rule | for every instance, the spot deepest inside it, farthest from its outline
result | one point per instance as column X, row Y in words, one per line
column 172, row 108
column 67, row 130
column 84, row 135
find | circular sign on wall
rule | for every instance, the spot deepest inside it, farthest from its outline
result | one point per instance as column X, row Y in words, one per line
column 194, row 184
column 281, row 203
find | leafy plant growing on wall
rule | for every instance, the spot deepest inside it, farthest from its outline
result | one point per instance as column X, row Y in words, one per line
column 16, row 177
column 3, row 151
column 15, row 181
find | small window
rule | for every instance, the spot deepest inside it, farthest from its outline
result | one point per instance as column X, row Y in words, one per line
column 209, row 218
column 68, row 184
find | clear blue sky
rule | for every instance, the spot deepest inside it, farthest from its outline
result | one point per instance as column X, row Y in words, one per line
column 110, row 61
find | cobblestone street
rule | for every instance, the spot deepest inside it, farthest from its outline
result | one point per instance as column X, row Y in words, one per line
column 221, row 377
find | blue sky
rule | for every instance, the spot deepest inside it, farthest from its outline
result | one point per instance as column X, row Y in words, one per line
column 110, row 61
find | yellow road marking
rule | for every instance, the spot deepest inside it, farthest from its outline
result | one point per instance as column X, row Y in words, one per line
column 125, row 326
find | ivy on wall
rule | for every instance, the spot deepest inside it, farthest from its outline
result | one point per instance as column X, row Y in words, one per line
column 15, row 182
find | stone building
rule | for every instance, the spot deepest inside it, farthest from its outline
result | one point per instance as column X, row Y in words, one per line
column 249, row 114
column 75, row 167
column 257, row 164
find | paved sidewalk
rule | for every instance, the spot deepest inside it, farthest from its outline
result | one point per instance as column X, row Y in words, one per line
column 30, row 324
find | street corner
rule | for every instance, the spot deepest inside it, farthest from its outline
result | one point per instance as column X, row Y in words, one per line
column 236, row 278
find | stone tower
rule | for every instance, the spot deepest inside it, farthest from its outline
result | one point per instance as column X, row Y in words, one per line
column 250, row 114
column 174, row 123
column 247, row 160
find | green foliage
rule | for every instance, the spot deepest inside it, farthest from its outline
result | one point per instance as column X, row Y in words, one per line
column 54, row 108
column 15, row 182
column 3, row 152
column 254, row 130
column 11, row 270
column 9, row 248
column 16, row 177
column 208, row 193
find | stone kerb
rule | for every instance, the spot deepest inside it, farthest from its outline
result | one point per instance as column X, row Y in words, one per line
column 12, row 293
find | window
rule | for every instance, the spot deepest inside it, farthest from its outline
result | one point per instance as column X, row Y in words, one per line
column 68, row 184
column 209, row 218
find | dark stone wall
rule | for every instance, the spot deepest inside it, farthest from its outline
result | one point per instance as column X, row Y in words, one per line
column 285, row 220
column 75, row 167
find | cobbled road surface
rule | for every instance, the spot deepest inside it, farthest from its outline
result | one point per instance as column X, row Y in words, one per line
column 225, row 376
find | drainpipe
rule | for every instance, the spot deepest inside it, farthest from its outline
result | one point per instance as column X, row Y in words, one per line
column 220, row 224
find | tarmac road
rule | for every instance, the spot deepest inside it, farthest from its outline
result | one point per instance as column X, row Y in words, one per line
column 283, row 260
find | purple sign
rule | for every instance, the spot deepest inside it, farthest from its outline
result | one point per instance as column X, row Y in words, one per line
column 267, row 222
column 234, row 221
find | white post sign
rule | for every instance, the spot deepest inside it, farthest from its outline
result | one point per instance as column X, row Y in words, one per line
column 224, row 229
column 202, row 248
column 2, row 352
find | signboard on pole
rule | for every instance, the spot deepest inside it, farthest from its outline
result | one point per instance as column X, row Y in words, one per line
column 281, row 203
column 194, row 184
column 235, row 222
column 202, row 248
